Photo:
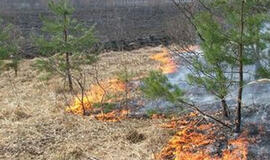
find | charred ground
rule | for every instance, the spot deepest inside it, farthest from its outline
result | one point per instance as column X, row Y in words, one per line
column 120, row 24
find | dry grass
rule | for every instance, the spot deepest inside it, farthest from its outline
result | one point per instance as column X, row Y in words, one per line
column 33, row 124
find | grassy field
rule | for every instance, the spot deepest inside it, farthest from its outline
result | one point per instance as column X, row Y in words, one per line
column 34, row 124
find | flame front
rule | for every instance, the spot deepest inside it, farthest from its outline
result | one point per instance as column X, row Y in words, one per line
column 186, row 143
column 113, row 116
column 194, row 142
column 237, row 148
column 97, row 94
column 167, row 64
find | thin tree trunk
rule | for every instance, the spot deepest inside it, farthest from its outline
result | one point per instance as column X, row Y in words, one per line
column 68, row 73
column 226, row 112
column 240, row 56
column 126, row 86
column 82, row 97
column 16, row 72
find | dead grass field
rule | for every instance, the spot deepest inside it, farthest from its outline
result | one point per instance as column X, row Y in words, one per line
column 34, row 125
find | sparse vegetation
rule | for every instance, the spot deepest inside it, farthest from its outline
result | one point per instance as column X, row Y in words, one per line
column 9, row 47
column 157, row 103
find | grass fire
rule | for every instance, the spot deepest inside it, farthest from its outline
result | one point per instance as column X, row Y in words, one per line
column 196, row 141
column 167, row 65
column 134, row 80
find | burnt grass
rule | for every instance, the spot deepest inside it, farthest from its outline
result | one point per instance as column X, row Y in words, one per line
column 127, row 26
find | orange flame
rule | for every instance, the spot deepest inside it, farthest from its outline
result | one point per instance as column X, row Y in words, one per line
column 183, row 145
column 114, row 116
column 192, row 142
column 158, row 116
column 97, row 95
column 167, row 64
column 237, row 148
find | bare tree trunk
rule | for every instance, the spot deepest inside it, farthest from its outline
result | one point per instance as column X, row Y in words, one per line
column 195, row 108
column 82, row 97
column 16, row 72
column 226, row 112
column 241, row 79
column 68, row 73
column 81, row 82
column 70, row 84
column 99, row 84
column 126, row 86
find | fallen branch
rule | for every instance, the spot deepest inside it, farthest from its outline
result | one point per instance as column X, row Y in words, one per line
column 204, row 114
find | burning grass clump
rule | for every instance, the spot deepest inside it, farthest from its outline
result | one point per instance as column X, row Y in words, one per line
column 101, row 101
column 105, row 92
column 155, row 114
column 102, row 98
column 167, row 65
column 198, row 139
column 114, row 116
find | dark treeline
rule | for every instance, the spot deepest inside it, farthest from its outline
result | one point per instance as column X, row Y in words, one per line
column 79, row 4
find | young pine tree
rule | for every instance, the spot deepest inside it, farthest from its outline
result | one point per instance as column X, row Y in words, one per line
column 210, row 70
column 263, row 71
column 9, row 47
column 157, row 85
column 231, row 31
column 65, row 41
column 230, row 34
column 125, row 76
